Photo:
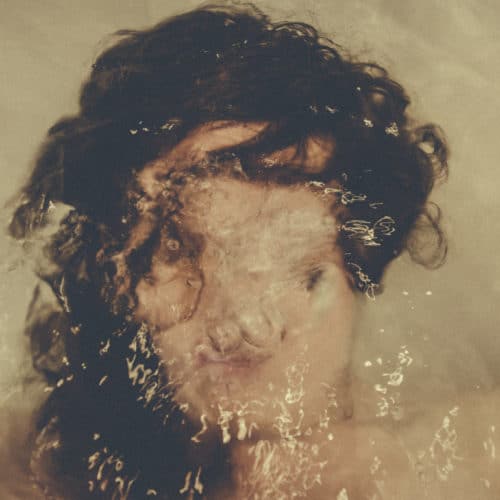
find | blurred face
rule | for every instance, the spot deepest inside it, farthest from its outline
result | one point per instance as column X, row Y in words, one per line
column 259, row 325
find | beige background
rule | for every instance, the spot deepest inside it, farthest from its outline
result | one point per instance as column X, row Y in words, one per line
column 445, row 53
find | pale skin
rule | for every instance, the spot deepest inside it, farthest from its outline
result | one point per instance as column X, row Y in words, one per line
column 257, row 335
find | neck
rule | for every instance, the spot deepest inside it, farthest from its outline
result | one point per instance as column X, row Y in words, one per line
column 293, row 459
column 292, row 456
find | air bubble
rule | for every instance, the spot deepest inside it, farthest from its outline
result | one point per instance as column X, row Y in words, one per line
column 173, row 245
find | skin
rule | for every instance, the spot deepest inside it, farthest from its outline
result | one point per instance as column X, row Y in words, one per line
column 272, row 301
column 256, row 336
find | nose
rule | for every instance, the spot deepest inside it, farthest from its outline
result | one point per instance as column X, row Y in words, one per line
column 225, row 335
column 259, row 326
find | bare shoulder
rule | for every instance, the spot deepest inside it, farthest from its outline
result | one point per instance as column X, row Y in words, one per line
column 449, row 451
column 453, row 446
column 368, row 461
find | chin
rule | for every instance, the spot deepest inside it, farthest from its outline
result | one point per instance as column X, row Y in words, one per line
column 225, row 405
column 239, row 412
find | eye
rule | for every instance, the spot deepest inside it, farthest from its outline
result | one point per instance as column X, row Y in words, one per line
column 194, row 283
column 313, row 278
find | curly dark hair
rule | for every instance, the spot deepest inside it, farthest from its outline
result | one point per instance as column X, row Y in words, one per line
column 103, row 434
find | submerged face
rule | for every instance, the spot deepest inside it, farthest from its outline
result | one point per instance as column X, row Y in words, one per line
column 260, row 323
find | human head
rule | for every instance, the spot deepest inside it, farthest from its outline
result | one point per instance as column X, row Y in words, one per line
column 152, row 87
column 148, row 93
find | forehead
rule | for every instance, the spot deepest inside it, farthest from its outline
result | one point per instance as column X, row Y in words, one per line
column 269, row 216
column 218, row 205
column 263, row 221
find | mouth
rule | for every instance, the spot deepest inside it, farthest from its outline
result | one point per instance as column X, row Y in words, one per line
column 236, row 361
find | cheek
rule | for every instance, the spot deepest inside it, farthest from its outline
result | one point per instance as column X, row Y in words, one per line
column 312, row 315
column 177, row 348
column 168, row 296
column 320, row 324
column 333, row 301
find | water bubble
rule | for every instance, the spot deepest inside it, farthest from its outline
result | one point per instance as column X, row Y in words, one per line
column 343, row 493
column 173, row 245
column 392, row 129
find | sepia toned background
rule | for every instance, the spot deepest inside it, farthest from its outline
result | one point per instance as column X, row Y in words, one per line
column 444, row 52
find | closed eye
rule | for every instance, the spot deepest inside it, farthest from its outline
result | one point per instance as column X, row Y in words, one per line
column 313, row 278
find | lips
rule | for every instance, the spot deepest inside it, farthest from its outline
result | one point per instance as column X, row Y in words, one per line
column 205, row 356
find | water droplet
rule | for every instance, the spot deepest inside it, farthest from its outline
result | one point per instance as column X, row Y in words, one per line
column 392, row 129
column 173, row 245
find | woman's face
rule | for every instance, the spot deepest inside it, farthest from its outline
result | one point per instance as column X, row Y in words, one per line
column 258, row 330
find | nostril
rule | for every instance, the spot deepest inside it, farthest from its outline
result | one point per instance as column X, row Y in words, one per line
column 253, row 340
column 214, row 342
column 225, row 337
column 195, row 283
column 260, row 340
column 263, row 328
